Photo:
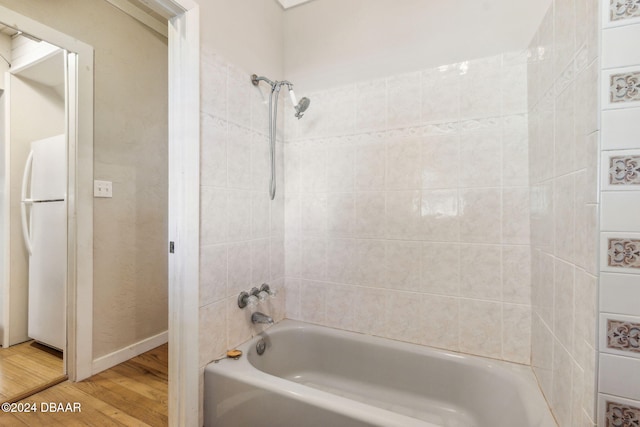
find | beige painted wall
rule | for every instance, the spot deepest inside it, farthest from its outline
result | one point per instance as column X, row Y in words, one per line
column 130, row 261
column 5, row 50
column 28, row 101
column 334, row 42
column 247, row 33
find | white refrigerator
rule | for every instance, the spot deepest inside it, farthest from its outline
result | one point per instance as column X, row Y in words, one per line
column 44, row 227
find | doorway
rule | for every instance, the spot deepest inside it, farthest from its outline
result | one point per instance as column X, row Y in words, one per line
column 184, row 147
column 46, row 122
column 35, row 220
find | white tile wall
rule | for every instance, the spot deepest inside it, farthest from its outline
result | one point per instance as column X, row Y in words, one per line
column 620, row 129
column 542, row 355
column 439, row 313
column 412, row 200
column 417, row 207
column 562, row 386
column 615, row 47
column 403, row 104
column 619, row 376
column 620, row 194
column 619, row 211
column 441, row 94
column 480, row 327
column 613, row 287
column 563, row 94
column 242, row 231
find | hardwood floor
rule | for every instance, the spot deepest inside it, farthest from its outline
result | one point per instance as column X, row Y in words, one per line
column 133, row 393
column 28, row 367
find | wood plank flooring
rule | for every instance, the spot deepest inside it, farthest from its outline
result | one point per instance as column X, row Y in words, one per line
column 133, row 393
column 28, row 367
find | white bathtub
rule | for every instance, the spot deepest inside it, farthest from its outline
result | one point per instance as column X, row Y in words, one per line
column 315, row 376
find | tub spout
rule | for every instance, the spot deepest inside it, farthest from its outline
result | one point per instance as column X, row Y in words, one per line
column 258, row 317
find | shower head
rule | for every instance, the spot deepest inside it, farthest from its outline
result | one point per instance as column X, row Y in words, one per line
column 301, row 106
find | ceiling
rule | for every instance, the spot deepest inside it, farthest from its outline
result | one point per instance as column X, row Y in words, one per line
column 7, row 30
column 143, row 5
column 286, row 4
column 48, row 71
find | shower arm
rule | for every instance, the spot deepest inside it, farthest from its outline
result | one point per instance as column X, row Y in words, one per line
column 255, row 79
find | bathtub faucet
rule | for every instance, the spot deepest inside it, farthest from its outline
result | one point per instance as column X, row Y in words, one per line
column 258, row 317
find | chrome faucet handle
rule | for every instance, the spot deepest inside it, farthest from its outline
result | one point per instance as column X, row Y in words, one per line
column 255, row 295
column 244, row 300
column 266, row 292
column 270, row 292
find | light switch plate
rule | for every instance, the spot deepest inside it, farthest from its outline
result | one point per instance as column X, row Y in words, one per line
column 102, row 189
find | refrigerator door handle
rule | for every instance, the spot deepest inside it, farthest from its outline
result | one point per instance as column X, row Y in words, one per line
column 25, row 202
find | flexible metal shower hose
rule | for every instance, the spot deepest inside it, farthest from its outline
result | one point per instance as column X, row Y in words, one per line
column 273, row 130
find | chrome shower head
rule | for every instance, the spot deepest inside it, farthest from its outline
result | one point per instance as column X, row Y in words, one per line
column 302, row 107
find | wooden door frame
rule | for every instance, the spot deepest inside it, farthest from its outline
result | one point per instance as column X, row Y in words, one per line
column 184, row 207
column 184, row 203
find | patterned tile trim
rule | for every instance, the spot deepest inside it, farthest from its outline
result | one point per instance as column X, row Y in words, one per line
column 623, row 335
column 624, row 253
column 624, row 9
column 624, row 170
column 625, row 87
column 619, row 415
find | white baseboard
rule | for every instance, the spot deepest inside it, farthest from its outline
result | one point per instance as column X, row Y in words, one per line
column 112, row 359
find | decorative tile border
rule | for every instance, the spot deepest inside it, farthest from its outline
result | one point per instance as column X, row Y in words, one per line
column 615, row 411
column 620, row 87
column 624, row 336
column 623, row 9
column 619, row 334
column 619, row 13
column 620, row 169
column 620, row 250
column 624, row 170
column 620, row 415
column 623, row 253
column 624, row 87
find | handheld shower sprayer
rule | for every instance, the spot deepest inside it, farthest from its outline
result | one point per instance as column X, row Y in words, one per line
column 302, row 106
column 299, row 107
